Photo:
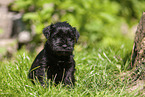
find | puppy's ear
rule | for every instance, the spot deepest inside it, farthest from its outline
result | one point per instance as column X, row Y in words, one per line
column 47, row 31
column 77, row 35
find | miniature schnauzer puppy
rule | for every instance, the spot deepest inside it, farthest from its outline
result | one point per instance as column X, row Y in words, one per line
column 55, row 61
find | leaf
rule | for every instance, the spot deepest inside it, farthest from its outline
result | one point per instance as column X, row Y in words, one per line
column 107, row 17
column 30, row 16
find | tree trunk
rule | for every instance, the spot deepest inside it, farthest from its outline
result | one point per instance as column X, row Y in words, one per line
column 138, row 52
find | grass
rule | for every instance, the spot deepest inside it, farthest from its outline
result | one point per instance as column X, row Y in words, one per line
column 97, row 74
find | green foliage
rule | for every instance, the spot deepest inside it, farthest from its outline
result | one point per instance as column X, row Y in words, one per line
column 97, row 74
column 98, row 21
column 85, row 15
column 131, row 9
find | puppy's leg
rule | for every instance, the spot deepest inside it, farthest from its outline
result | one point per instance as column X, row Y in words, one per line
column 69, row 78
column 38, row 73
column 38, row 68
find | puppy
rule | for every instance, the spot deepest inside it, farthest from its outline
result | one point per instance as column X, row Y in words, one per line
column 55, row 61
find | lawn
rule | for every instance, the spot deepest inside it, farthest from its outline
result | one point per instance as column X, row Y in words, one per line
column 98, row 73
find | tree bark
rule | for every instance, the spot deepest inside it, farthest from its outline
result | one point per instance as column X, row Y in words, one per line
column 138, row 52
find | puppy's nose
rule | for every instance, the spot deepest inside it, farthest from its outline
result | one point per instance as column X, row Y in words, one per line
column 64, row 46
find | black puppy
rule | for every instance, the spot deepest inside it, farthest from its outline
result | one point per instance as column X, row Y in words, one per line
column 56, row 59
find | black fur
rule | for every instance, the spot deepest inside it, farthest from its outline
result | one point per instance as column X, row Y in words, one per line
column 56, row 61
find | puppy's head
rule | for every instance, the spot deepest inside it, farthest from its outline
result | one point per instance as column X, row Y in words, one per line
column 61, row 37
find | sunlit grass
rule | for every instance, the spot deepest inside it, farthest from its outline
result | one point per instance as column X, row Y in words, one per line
column 97, row 74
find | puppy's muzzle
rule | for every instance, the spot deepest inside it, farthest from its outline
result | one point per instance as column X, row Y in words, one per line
column 63, row 53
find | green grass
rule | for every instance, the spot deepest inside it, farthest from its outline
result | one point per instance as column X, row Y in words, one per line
column 97, row 74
